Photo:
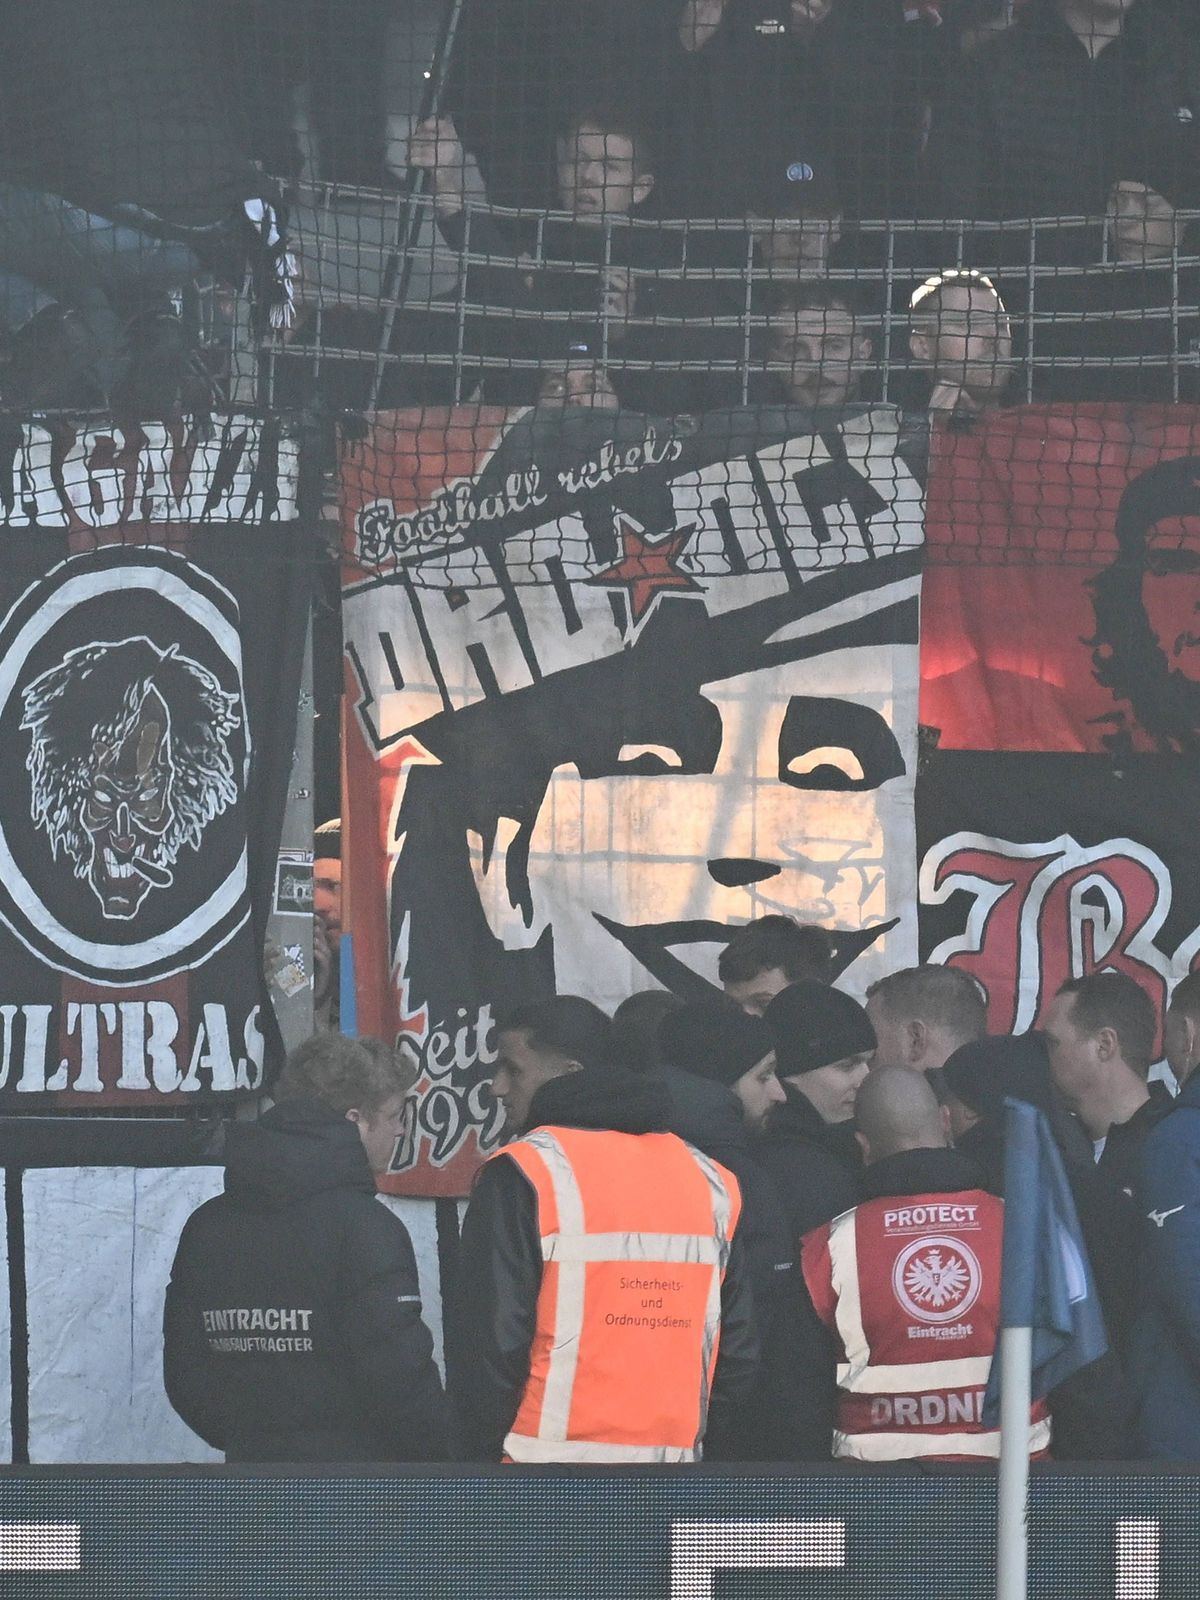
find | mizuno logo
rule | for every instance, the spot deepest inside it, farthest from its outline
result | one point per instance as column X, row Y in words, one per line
column 1159, row 1217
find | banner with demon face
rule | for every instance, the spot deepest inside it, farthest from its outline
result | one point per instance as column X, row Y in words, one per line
column 613, row 688
column 151, row 632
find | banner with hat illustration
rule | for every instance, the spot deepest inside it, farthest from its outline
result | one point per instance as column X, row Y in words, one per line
column 152, row 617
column 615, row 685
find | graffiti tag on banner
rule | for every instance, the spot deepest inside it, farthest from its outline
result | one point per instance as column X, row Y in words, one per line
column 141, row 701
column 615, row 686
column 1040, row 868
column 66, row 477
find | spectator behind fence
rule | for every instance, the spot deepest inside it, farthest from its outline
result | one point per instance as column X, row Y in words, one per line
column 880, row 1277
column 292, row 1329
column 1035, row 121
column 126, row 167
column 519, row 68
column 961, row 339
column 655, row 1347
column 776, row 85
column 1132, row 320
column 819, row 337
column 602, row 297
column 795, row 219
column 581, row 382
column 764, row 956
column 922, row 1014
column 1165, row 1361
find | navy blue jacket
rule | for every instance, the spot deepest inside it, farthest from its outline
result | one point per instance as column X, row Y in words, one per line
column 1165, row 1359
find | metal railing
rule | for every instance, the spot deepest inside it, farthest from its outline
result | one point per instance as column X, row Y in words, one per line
column 348, row 242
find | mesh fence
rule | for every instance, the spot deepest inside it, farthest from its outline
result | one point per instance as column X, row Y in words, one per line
column 664, row 207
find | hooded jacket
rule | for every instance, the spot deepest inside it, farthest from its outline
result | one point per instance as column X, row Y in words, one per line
column 293, row 1327
column 1032, row 125
column 708, row 1116
column 491, row 1330
column 814, row 1163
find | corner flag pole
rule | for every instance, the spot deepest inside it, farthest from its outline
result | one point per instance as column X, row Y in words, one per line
column 1050, row 1321
column 1012, row 1528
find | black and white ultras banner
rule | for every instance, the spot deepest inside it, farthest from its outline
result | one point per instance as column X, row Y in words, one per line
column 149, row 669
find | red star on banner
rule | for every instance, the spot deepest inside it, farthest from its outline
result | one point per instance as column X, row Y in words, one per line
column 647, row 566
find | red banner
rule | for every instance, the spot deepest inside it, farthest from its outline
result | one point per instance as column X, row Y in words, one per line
column 1059, row 607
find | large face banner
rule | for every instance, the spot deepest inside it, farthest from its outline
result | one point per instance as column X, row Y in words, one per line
column 615, row 688
column 149, row 650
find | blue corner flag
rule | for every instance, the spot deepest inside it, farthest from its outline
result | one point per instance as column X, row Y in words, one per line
column 1046, row 1279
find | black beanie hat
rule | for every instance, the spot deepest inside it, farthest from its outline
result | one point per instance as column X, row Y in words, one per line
column 983, row 1071
column 814, row 1026
column 714, row 1039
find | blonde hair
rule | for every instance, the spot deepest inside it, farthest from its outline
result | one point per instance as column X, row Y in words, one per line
column 346, row 1074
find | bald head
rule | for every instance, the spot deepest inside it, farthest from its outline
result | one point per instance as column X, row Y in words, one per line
column 897, row 1110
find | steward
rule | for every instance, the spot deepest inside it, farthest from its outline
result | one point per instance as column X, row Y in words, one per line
column 604, row 1310
column 907, row 1284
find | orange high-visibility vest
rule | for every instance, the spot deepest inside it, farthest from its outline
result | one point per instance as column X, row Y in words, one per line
column 910, row 1288
column 635, row 1232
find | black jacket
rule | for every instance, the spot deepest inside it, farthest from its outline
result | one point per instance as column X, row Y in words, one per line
column 293, row 1328
column 919, row 1172
column 846, row 98
column 708, row 1116
column 127, row 103
column 1103, row 333
column 559, row 309
column 1033, row 126
column 491, row 1330
column 814, row 1163
column 1120, row 1160
column 1092, row 1408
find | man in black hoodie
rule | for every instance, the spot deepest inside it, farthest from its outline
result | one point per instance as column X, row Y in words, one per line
column 293, row 1327
column 603, row 1312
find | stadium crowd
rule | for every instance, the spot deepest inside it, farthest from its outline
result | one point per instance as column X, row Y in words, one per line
column 803, row 126
column 705, row 185
column 765, row 1226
